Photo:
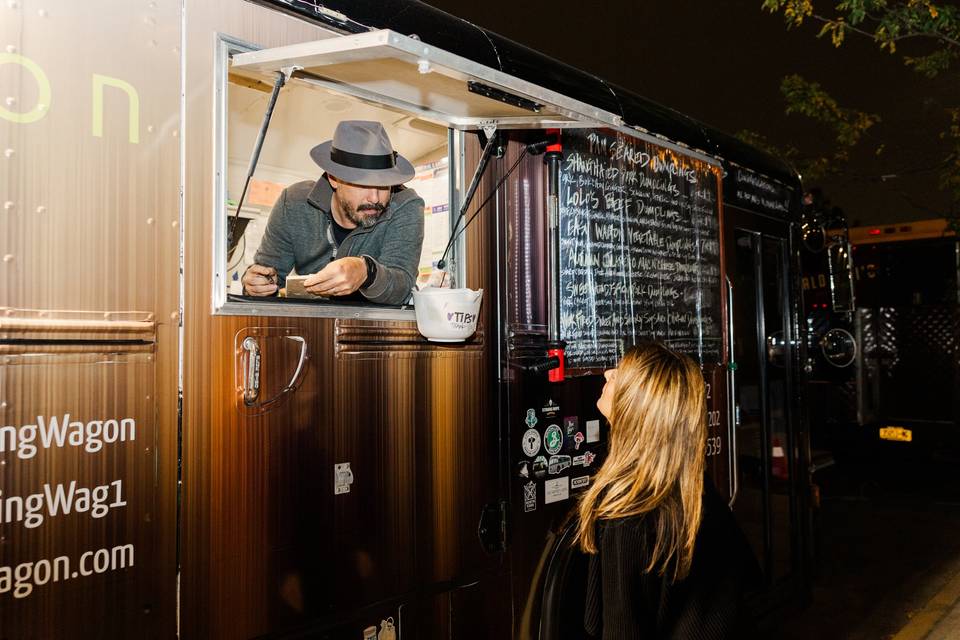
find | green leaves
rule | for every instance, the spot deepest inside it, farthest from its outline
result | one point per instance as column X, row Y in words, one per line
column 933, row 64
column 936, row 24
column 794, row 11
column 933, row 28
column 807, row 98
column 836, row 29
column 846, row 126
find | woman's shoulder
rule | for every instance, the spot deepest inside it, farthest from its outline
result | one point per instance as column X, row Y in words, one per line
column 628, row 539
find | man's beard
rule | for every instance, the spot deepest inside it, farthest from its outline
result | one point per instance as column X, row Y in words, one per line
column 366, row 215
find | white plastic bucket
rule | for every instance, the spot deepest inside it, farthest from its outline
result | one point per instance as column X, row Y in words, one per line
column 447, row 315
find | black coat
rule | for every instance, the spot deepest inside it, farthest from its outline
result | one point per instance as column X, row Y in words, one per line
column 625, row 602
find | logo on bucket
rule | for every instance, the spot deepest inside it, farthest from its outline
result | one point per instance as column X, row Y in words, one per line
column 447, row 315
column 460, row 319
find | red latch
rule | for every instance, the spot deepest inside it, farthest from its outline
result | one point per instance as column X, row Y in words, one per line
column 556, row 374
column 556, row 147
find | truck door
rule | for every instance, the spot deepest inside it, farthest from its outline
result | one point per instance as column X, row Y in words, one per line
column 767, row 502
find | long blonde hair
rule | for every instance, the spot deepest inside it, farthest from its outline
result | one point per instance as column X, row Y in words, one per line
column 656, row 459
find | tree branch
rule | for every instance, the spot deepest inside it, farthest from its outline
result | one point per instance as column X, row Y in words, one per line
column 913, row 34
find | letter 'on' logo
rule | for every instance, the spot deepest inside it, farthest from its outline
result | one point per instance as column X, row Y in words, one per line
column 43, row 90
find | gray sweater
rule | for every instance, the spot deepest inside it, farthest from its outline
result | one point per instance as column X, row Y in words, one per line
column 300, row 234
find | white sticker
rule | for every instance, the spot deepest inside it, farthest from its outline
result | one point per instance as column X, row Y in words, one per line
column 579, row 483
column 531, row 442
column 342, row 478
column 529, row 497
column 578, row 461
column 556, row 490
column 593, row 431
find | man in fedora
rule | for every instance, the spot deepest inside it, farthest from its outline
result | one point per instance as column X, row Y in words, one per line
column 356, row 229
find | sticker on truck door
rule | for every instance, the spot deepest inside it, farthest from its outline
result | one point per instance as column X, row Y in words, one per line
column 556, row 490
column 530, row 497
column 531, row 442
column 553, row 439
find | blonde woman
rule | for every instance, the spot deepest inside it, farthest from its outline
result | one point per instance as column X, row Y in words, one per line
column 666, row 557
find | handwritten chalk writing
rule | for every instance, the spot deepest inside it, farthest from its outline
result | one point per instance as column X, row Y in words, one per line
column 768, row 203
column 754, row 180
column 60, row 431
column 581, row 198
column 758, row 192
column 639, row 248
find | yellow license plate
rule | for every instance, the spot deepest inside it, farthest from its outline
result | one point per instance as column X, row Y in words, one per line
column 896, row 433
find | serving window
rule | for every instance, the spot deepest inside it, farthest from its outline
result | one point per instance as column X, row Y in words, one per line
column 424, row 97
column 306, row 115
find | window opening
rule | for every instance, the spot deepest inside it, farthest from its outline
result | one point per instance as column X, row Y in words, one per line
column 260, row 167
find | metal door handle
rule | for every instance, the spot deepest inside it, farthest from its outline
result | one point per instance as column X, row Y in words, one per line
column 251, row 373
column 732, row 417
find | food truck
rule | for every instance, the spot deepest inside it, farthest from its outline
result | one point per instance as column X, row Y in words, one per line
column 179, row 458
column 908, row 326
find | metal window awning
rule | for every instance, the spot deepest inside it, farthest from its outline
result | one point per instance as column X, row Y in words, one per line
column 404, row 72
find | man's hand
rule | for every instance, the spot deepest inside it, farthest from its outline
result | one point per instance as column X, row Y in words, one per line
column 259, row 280
column 339, row 278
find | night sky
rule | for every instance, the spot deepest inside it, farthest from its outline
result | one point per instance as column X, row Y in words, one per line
column 722, row 63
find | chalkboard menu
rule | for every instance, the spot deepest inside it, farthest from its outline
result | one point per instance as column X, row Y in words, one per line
column 639, row 249
column 751, row 190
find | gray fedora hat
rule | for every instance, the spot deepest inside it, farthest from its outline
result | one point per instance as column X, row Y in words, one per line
column 361, row 153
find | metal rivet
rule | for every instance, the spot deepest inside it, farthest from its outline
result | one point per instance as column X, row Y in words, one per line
column 152, row 43
column 106, row 316
column 3, row 405
column 173, row 316
column 152, row 5
column 42, row 314
column 8, row 205
column 11, row 48
column 10, row 101
column 176, row 50
column 13, row 4
column 175, row 133
column 149, row 319
column 174, row 224
column 149, row 128
column 42, row 13
column 8, row 153
column 149, row 220
column 41, row 209
column 8, row 257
